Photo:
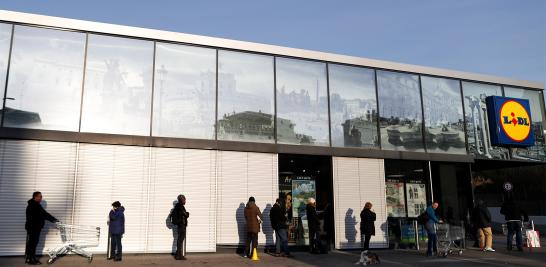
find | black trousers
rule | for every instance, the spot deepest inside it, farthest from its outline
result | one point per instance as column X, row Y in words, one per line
column 115, row 246
column 33, row 237
column 366, row 242
column 314, row 241
column 180, row 241
column 251, row 238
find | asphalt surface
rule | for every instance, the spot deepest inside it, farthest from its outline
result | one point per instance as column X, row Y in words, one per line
column 227, row 258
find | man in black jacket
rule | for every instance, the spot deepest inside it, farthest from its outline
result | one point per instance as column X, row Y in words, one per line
column 313, row 223
column 179, row 217
column 279, row 223
column 513, row 215
column 482, row 222
column 36, row 216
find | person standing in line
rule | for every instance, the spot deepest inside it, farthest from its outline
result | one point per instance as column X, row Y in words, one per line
column 116, row 227
column 482, row 221
column 253, row 217
column 35, row 221
column 313, row 223
column 367, row 225
column 513, row 214
column 179, row 217
column 275, row 217
column 430, row 226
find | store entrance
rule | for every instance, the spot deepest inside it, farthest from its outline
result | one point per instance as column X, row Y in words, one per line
column 300, row 178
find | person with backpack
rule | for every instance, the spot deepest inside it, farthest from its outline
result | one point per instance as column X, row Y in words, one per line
column 430, row 227
column 179, row 217
column 513, row 214
column 482, row 221
column 367, row 225
column 36, row 216
column 253, row 217
column 116, row 228
column 279, row 223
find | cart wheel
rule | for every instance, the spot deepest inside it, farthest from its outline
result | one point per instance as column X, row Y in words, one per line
column 460, row 252
column 51, row 261
column 90, row 259
column 444, row 255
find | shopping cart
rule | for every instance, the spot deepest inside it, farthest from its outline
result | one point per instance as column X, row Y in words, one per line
column 450, row 239
column 75, row 238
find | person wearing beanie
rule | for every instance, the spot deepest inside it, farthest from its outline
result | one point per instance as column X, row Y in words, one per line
column 116, row 228
column 253, row 217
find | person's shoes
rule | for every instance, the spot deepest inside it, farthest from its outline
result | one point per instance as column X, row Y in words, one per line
column 37, row 261
column 109, row 258
column 429, row 254
column 520, row 249
column 180, row 258
column 509, row 248
column 489, row 250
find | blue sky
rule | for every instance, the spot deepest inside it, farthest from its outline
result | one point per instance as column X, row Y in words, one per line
column 498, row 37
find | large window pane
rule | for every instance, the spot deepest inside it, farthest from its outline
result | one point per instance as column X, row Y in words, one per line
column 353, row 106
column 184, row 92
column 45, row 79
column 118, row 83
column 302, row 103
column 538, row 151
column 245, row 97
column 400, row 111
column 477, row 128
column 5, row 40
column 444, row 119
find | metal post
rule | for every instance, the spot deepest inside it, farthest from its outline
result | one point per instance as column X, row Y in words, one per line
column 416, row 227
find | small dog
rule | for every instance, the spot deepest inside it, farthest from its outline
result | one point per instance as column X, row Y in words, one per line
column 368, row 258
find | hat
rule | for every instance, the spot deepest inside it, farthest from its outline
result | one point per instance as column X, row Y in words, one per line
column 251, row 199
column 116, row 204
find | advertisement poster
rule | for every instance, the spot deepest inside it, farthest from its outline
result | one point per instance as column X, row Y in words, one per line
column 395, row 198
column 417, row 198
column 302, row 189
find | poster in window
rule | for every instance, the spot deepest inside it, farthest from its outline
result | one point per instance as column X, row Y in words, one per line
column 417, row 198
column 395, row 198
column 303, row 188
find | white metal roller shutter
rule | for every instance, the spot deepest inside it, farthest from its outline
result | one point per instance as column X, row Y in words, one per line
column 357, row 181
column 192, row 173
column 28, row 166
column 241, row 175
column 107, row 173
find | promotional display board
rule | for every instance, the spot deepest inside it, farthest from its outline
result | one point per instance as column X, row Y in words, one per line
column 396, row 206
column 416, row 194
column 509, row 121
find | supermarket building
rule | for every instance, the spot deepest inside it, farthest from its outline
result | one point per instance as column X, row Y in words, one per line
column 93, row 113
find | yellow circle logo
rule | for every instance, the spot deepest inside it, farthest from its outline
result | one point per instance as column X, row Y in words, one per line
column 515, row 121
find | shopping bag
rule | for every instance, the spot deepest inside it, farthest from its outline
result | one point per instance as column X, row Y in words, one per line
column 533, row 239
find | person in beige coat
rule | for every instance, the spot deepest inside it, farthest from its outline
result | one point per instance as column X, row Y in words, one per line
column 253, row 217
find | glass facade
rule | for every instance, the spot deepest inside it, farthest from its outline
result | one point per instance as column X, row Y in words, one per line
column 246, row 105
column 538, row 151
column 477, row 126
column 353, row 106
column 400, row 114
column 302, row 102
column 184, row 92
column 5, row 41
column 118, row 86
column 205, row 93
column 45, row 79
column 443, row 113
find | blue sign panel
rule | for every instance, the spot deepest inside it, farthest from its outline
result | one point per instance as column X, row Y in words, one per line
column 509, row 121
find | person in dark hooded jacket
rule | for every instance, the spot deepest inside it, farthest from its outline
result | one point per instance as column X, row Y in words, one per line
column 513, row 214
column 179, row 217
column 367, row 225
column 253, row 217
column 313, row 223
column 35, row 221
column 482, row 221
column 116, row 228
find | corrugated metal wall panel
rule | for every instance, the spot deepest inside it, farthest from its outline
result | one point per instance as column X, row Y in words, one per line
column 241, row 175
column 356, row 181
column 107, row 173
column 27, row 166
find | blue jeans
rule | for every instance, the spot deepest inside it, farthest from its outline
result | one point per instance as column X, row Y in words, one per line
column 431, row 232
column 514, row 227
column 282, row 241
column 115, row 246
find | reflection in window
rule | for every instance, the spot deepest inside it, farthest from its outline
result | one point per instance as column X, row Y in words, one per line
column 118, row 83
column 184, row 92
column 45, row 83
column 444, row 119
column 245, row 97
column 477, row 128
column 538, row 151
column 5, row 40
column 353, row 106
column 302, row 102
column 400, row 111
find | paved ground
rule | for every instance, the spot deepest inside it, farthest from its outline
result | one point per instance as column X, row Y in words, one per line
column 227, row 258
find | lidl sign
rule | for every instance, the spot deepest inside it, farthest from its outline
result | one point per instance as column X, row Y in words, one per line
column 509, row 121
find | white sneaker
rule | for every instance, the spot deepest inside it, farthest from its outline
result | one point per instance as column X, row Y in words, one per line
column 489, row 250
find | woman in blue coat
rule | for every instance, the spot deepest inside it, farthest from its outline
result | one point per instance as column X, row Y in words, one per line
column 116, row 229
